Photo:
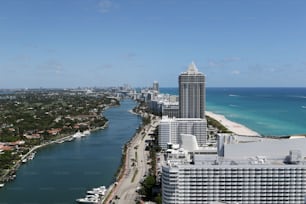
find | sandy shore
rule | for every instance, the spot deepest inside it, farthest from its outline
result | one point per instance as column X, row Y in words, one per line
column 232, row 126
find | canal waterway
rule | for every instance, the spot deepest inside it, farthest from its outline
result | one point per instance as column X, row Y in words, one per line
column 60, row 173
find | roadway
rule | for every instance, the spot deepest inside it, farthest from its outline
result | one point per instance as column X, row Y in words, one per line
column 136, row 167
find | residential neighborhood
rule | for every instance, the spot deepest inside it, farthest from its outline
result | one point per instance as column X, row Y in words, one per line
column 35, row 117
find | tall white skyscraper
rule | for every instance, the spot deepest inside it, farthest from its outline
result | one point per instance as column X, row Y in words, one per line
column 191, row 111
column 155, row 86
column 192, row 93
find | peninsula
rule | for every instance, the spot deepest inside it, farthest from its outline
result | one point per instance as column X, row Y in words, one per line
column 31, row 119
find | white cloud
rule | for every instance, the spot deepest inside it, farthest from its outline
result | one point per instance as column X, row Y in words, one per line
column 270, row 68
column 213, row 63
column 22, row 58
column 105, row 67
column 235, row 72
column 52, row 66
column 231, row 59
column 129, row 56
column 222, row 62
column 106, row 5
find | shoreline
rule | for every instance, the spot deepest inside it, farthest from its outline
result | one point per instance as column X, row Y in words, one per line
column 232, row 126
column 124, row 166
column 6, row 177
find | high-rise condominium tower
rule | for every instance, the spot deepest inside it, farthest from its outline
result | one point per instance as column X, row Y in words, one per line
column 155, row 86
column 192, row 93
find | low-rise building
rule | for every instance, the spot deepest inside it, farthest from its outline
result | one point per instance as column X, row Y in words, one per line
column 170, row 130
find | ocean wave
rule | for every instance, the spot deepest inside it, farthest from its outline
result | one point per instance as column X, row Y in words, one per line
column 233, row 95
column 299, row 97
column 233, row 105
column 304, row 107
column 264, row 95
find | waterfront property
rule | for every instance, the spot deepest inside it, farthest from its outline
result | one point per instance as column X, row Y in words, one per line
column 61, row 173
column 238, row 169
column 244, row 170
column 192, row 93
column 170, row 130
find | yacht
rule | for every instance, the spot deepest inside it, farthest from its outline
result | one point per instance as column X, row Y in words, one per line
column 97, row 191
column 32, row 155
column 94, row 199
column 78, row 134
column 1, row 185
column 94, row 195
column 70, row 139
column 60, row 141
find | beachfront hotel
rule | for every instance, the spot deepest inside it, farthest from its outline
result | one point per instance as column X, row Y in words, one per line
column 170, row 130
column 244, row 170
column 237, row 170
column 192, row 93
column 191, row 111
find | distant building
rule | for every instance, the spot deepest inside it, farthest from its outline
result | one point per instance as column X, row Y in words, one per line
column 155, row 106
column 162, row 104
column 155, row 86
column 170, row 109
column 192, row 93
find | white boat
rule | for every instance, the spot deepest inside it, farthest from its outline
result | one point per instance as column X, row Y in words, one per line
column 1, row 185
column 78, row 134
column 97, row 191
column 86, row 132
column 89, row 199
column 70, row 139
column 24, row 161
column 32, row 155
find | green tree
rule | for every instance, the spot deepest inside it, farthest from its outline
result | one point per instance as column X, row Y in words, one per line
column 147, row 186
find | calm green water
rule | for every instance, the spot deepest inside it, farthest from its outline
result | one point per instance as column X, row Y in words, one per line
column 63, row 172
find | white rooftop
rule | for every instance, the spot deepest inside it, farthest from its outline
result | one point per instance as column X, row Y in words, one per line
column 263, row 151
column 192, row 69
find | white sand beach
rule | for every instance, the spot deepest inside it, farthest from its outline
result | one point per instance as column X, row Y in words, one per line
column 232, row 126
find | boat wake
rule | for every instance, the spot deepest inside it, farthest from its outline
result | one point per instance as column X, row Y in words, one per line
column 233, row 95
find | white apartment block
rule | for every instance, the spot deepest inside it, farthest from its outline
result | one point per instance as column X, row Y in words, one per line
column 170, row 109
column 238, row 171
column 170, row 130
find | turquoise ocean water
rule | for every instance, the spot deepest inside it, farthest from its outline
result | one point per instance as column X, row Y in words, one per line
column 268, row 111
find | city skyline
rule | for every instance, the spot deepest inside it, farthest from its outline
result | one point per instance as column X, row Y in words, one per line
column 87, row 43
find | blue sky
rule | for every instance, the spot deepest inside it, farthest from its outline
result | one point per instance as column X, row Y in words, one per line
column 72, row 43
